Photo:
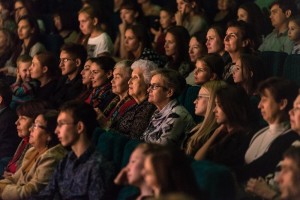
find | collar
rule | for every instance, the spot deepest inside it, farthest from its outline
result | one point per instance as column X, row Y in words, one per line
column 84, row 157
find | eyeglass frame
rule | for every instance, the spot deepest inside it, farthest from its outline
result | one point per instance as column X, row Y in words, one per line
column 155, row 87
column 200, row 96
column 35, row 126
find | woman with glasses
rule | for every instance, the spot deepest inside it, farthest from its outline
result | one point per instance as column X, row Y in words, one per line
column 171, row 121
column 204, row 106
column 39, row 161
column 26, row 112
column 135, row 120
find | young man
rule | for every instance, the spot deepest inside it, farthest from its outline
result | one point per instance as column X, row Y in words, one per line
column 83, row 173
column 281, row 11
column 72, row 59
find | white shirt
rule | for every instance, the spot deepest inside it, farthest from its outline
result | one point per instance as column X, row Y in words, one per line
column 99, row 45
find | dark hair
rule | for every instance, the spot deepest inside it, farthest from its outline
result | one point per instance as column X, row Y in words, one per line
column 48, row 59
column 10, row 39
column 5, row 93
column 81, row 111
column 106, row 63
column 173, row 171
column 295, row 19
column 77, row 51
column 235, row 104
column 293, row 153
column 280, row 88
column 133, row 5
column 285, row 5
column 50, row 116
column 24, row 58
column 201, row 39
column 67, row 19
column 215, row 63
column 169, row 10
column 32, row 108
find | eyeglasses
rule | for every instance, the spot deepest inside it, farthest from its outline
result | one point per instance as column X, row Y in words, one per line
column 64, row 60
column 35, row 126
column 155, row 87
column 201, row 96
column 60, row 124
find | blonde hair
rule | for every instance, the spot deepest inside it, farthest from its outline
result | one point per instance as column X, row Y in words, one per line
column 203, row 130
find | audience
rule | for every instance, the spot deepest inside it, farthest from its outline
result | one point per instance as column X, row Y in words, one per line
column 294, row 33
column 86, row 94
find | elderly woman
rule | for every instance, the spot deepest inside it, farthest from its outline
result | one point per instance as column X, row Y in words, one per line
column 171, row 121
column 134, row 122
column 39, row 161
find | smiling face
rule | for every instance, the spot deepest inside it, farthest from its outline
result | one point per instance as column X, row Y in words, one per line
column 98, row 76
column 120, row 81
column 201, row 102
column 214, row 43
column 23, row 124
column 86, row 73
column 295, row 115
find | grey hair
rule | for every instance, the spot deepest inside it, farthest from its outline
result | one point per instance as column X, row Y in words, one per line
column 147, row 67
column 125, row 64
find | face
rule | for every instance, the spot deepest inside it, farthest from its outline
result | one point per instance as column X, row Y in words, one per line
column 57, row 22
column 201, row 102
column 288, row 179
column 223, row 4
column 86, row 73
column 165, row 19
column 232, row 40
column 128, row 16
column 195, row 49
column 277, row 17
column 237, row 72
column 36, row 69
column 23, row 124
column 24, row 30
column 98, row 76
column 67, row 64
column 269, row 108
column 170, row 45
column 295, row 115
column 120, row 81
column 135, row 167
column 202, row 73
column 38, row 134
column 294, row 31
column 3, row 40
column 23, row 70
column 66, row 129
column 158, row 93
column 214, row 43
column 131, row 42
column 183, row 6
column 20, row 10
column 86, row 23
column 149, row 174
column 242, row 15
column 136, row 83
column 220, row 116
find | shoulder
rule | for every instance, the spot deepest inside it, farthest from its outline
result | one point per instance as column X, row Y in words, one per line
column 57, row 151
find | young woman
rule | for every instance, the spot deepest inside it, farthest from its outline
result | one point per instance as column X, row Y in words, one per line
column 86, row 81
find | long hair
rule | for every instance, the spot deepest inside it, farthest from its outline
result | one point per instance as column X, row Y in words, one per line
column 49, row 60
column 203, row 130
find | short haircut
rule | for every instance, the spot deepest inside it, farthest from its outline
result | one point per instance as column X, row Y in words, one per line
column 5, row 93
column 146, row 66
column 24, row 59
column 106, row 63
column 77, row 51
column 32, row 108
column 280, row 88
column 81, row 111
column 215, row 63
column 50, row 116
column 285, row 5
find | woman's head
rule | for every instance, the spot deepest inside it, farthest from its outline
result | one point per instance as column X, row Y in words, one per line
column 7, row 40
column 209, row 67
column 166, row 17
column 101, row 70
column 187, row 6
column 215, row 39
column 42, row 131
column 27, row 27
column 197, row 47
column 86, row 73
column 121, row 75
column 88, row 20
column 165, row 85
column 27, row 112
column 44, row 65
column 22, row 8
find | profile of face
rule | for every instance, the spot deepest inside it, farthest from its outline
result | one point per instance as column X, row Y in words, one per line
column 232, row 40
column 165, row 19
column 120, row 81
column 195, row 49
column 23, row 124
column 67, row 64
column 202, row 73
column 223, row 4
column 159, row 94
column 237, row 72
column 25, row 31
column 135, row 168
column 294, row 31
column 269, row 108
column 170, row 45
column 39, row 137
column 20, row 10
column 131, row 42
column 23, row 70
column 201, row 102
column 128, row 16
column 36, row 70
column 66, row 129
column 98, row 76
column 220, row 115
column 149, row 174
column 295, row 115
column 242, row 15
column 86, row 73
column 277, row 16
column 57, row 22
column 289, row 179
column 136, row 84
column 86, row 23
column 214, row 43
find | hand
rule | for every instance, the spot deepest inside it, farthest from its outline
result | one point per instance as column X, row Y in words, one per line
column 7, row 174
column 18, row 77
column 178, row 18
column 260, row 188
column 156, row 33
column 121, row 178
column 4, row 70
column 122, row 27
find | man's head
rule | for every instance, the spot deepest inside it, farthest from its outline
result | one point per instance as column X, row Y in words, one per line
column 289, row 176
column 72, row 59
column 23, row 64
column 5, row 94
column 76, row 121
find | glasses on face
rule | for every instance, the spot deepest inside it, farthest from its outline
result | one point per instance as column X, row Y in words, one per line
column 60, row 124
column 64, row 60
column 155, row 87
column 202, row 96
column 36, row 126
